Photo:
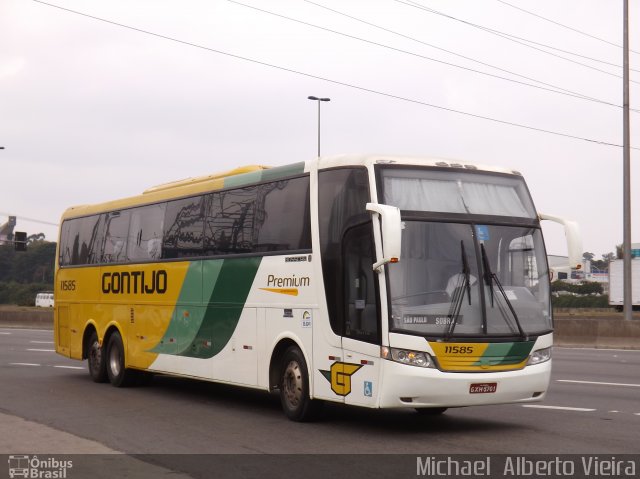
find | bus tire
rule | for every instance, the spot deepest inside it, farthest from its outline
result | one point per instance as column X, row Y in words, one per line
column 431, row 411
column 294, row 388
column 119, row 376
column 96, row 359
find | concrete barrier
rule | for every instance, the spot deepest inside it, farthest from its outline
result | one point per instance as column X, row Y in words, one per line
column 597, row 333
column 33, row 318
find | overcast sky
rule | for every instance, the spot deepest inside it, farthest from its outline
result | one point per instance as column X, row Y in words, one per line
column 91, row 111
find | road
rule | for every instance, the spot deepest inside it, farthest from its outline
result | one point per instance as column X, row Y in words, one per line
column 593, row 407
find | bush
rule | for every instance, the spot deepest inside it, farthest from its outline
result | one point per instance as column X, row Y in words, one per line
column 570, row 301
column 21, row 294
column 584, row 288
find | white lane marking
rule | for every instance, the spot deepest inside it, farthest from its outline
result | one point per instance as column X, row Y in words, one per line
column 35, row 364
column 561, row 408
column 43, row 350
column 598, row 383
column 41, row 342
column 6, row 334
column 605, row 350
column 636, row 413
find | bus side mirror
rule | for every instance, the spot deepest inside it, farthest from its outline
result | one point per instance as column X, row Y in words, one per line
column 391, row 233
column 574, row 239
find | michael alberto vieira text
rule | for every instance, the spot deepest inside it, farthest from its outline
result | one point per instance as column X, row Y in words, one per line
column 522, row 466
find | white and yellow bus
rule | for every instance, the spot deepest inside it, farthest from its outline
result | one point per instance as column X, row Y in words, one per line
column 384, row 282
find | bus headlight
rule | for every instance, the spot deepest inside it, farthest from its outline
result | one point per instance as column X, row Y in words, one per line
column 539, row 356
column 404, row 356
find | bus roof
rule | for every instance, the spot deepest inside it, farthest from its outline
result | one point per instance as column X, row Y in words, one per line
column 241, row 176
column 251, row 174
column 368, row 160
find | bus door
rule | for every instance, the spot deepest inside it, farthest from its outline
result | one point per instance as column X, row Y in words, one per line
column 361, row 337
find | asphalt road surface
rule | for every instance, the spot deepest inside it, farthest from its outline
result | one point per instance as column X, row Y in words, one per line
column 593, row 407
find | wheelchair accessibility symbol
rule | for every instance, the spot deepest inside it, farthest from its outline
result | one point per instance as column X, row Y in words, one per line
column 368, row 388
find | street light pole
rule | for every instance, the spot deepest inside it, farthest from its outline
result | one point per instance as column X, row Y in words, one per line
column 626, row 173
column 315, row 98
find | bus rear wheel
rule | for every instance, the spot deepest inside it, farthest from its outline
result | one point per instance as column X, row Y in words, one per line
column 119, row 376
column 96, row 359
column 294, row 388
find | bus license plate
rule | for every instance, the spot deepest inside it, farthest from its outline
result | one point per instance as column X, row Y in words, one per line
column 483, row 388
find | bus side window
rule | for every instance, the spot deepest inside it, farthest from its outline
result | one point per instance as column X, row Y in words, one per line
column 361, row 316
column 282, row 220
column 228, row 221
column 81, row 240
column 183, row 228
column 70, row 242
column 342, row 197
column 145, row 233
column 116, row 237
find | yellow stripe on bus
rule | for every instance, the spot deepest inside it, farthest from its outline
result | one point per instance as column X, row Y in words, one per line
column 475, row 357
column 289, row 291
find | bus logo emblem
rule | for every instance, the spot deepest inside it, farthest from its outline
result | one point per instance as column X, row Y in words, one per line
column 340, row 377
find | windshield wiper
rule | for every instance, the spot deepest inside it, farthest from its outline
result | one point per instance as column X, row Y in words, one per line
column 489, row 278
column 464, row 284
column 466, row 270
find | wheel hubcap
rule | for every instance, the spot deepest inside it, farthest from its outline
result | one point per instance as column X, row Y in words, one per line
column 292, row 384
column 114, row 361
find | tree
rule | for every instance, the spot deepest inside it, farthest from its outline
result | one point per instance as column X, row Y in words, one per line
column 588, row 256
column 22, row 274
column 33, row 238
column 602, row 265
column 7, row 255
column 37, row 264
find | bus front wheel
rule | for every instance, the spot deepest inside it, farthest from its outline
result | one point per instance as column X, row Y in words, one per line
column 294, row 388
column 119, row 376
column 96, row 359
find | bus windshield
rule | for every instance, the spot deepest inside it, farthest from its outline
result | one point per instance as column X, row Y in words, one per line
column 442, row 278
column 466, row 271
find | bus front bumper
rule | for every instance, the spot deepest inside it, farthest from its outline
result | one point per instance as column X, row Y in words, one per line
column 416, row 387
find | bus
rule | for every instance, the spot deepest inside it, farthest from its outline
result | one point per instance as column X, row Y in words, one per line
column 376, row 281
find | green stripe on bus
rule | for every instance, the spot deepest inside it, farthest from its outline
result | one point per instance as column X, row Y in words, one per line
column 519, row 352
column 270, row 174
column 505, row 353
column 229, row 295
column 243, row 179
column 283, row 171
column 186, row 319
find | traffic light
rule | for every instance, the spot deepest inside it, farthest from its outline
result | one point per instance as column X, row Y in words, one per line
column 20, row 241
